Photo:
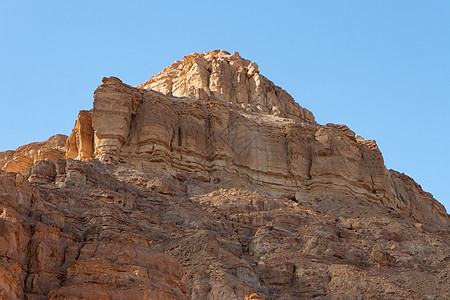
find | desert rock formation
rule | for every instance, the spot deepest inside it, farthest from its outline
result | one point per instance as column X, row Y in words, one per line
column 210, row 182
column 24, row 157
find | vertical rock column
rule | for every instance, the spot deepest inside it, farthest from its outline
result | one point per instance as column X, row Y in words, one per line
column 80, row 144
column 115, row 104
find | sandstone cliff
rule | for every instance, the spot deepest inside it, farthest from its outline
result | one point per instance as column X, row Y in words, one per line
column 229, row 122
column 210, row 182
column 24, row 157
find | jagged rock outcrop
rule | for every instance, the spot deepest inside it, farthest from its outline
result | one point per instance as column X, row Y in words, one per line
column 80, row 143
column 210, row 182
column 229, row 78
column 25, row 156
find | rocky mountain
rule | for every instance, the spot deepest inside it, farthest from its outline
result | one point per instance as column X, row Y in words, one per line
column 210, row 182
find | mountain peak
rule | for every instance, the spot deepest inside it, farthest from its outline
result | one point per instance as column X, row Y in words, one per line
column 228, row 77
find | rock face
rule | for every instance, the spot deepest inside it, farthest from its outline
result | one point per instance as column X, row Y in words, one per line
column 24, row 157
column 210, row 182
column 229, row 78
column 55, row 244
column 213, row 135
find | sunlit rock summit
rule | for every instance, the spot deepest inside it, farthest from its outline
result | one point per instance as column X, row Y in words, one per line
column 210, row 182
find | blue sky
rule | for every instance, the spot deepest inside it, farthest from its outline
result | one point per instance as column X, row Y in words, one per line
column 380, row 67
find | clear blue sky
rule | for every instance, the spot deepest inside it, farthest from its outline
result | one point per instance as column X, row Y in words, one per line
column 381, row 67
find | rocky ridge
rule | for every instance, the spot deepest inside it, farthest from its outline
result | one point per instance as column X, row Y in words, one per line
column 24, row 157
column 210, row 182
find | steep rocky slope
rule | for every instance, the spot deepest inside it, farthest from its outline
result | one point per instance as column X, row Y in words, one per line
column 210, row 182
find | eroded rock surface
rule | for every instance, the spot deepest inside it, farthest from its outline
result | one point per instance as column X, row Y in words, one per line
column 25, row 156
column 209, row 182
column 106, row 233
column 229, row 78
column 218, row 138
column 65, row 243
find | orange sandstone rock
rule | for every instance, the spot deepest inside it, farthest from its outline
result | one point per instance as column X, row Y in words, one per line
column 254, row 296
column 210, row 182
column 24, row 157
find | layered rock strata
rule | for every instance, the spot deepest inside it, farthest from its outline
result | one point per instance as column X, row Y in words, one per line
column 229, row 78
column 210, row 182
column 25, row 156
column 212, row 137
column 111, row 233
column 64, row 243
